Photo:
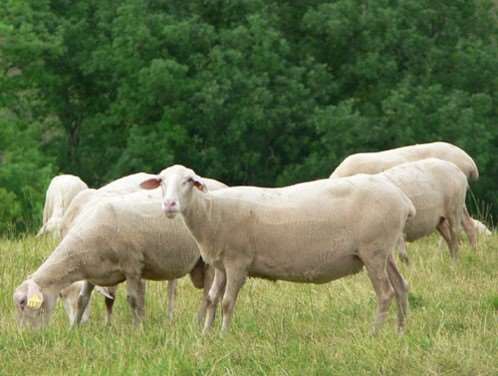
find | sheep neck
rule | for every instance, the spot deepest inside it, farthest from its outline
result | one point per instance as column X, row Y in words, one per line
column 60, row 269
column 197, row 215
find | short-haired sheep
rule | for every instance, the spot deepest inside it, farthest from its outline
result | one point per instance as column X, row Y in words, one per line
column 122, row 238
column 61, row 191
column 375, row 162
column 437, row 189
column 311, row 232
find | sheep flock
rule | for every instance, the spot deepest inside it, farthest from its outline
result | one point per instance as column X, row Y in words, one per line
column 165, row 226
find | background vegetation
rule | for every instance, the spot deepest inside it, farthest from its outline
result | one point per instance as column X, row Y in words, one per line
column 257, row 92
column 279, row 328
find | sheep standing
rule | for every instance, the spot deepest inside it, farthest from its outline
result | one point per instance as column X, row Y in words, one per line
column 61, row 191
column 437, row 189
column 312, row 232
column 122, row 238
column 376, row 162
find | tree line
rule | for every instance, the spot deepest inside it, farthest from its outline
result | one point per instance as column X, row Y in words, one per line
column 259, row 92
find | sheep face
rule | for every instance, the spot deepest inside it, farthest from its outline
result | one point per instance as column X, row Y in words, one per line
column 176, row 183
column 34, row 307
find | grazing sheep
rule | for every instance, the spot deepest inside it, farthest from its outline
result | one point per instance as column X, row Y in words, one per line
column 122, row 238
column 60, row 193
column 375, row 162
column 437, row 189
column 82, row 201
column 312, row 232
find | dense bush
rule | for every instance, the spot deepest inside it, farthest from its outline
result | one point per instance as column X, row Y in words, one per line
column 247, row 91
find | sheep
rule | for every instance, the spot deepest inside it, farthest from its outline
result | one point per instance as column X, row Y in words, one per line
column 437, row 189
column 376, row 162
column 61, row 191
column 122, row 238
column 84, row 200
column 312, row 232
column 481, row 228
column 124, row 185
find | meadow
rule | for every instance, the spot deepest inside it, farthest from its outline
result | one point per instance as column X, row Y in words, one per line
column 279, row 328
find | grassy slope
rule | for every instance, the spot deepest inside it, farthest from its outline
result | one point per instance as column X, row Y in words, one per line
column 279, row 328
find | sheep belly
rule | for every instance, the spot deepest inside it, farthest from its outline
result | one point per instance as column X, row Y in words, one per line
column 327, row 267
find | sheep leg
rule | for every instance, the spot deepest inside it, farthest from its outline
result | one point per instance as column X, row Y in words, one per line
column 403, row 256
column 207, row 281
column 213, row 297
column 375, row 262
column 109, row 303
column 447, row 229
column 444, row 230
column 235, row 280
column 135, row 297
column 171, row 298
column 469, row 228
column 83, row 299
column 454, row 239
column 400, row 290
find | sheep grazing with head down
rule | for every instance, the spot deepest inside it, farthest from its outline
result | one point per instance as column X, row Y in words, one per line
column 376, row 162
column 437, row 189
column 61, row 191
column 313, row 232
column 82, row 202
column 121, row 238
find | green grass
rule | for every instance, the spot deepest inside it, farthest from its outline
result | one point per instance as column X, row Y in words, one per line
column 278, row 329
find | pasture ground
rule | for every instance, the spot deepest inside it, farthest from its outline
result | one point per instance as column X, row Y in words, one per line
column 278, row 329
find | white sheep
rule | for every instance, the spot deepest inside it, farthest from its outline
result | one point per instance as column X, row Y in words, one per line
column 312, row 232
column 437, row 189
column 121, row 186
column 375, row 162
column 481, row 228
column 83, row 201
column 61, row 191
column 122, row 238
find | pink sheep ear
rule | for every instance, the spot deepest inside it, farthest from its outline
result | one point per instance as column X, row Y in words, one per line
column 151, row 183
column 198, row 183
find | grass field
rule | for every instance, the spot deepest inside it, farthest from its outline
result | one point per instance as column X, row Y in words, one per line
column 278, row 329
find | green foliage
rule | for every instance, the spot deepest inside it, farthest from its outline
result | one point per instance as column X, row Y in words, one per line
column 24, row 175
column 250, row 91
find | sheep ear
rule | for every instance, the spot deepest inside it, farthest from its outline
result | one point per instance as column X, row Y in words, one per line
column 104, row 291
column 151, row 183
column 34, row 296
column 198, row 183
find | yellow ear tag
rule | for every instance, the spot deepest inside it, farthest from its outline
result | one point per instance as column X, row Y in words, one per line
column 35, row 301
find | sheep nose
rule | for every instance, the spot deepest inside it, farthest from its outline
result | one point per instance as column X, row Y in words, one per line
column 169, row 205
